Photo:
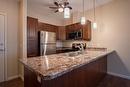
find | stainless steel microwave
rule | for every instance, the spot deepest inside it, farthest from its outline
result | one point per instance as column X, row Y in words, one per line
column 75, row 35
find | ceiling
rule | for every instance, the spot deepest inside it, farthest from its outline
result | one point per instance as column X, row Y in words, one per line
column 43, row 6
column 76, row 4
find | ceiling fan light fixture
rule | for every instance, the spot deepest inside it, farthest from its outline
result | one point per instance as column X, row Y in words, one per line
column 66, row 13
column 62, row 6
column 60, row 9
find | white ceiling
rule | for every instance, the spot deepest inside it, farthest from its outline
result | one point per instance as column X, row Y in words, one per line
column 43, row 6
column 76, row 4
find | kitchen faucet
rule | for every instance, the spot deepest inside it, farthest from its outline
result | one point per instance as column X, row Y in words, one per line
column 80, row 46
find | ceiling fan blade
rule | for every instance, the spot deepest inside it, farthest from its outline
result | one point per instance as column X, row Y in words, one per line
column 53, row 7
column 56, row 3
column 56, row 11
column 66, row 3
column 69, row 7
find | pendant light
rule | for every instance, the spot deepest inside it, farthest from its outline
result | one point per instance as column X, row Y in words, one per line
column 94, row 12
column 66, row 13
column 83, row 19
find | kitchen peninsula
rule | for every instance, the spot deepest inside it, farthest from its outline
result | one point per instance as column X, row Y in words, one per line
column 73, row 69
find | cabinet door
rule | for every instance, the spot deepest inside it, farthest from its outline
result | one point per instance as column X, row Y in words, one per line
column 87, row 31
column 32, row 37
column 47, row 27
column 77, row 26
column 68, row 30
column 61, row 33
column 30, row 78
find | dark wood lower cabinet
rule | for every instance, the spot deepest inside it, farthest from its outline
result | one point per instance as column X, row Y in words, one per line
column 88, row 75
column 30, row 79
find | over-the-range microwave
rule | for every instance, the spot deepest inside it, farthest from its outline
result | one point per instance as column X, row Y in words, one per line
column 75, row 35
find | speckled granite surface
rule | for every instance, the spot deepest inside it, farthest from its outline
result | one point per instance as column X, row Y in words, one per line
column 52, row 66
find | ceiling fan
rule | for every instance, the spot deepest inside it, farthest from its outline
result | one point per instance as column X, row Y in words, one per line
column 60, row 6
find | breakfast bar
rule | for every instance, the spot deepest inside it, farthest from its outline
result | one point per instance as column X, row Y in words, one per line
column 72, row 69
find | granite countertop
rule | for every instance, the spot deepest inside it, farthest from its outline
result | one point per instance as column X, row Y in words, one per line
column 52, row 66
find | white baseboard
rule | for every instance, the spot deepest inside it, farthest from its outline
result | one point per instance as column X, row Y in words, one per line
column 119, row 75
column 12, row 77
column 110, row 73
column 21, row 76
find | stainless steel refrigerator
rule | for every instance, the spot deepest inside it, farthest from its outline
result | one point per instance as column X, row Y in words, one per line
column 47, row 43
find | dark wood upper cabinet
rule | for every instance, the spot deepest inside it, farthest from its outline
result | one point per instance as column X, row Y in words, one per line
column 47, row 27
column 32, row 37
column 61, row 33
column 87, row 31
column 84, row 29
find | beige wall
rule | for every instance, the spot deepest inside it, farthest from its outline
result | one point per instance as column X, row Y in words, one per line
column 22, row 34
column 23, row 28
column 10, row 7
column 113, row 32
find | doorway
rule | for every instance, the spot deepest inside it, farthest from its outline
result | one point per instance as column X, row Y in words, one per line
column 3, row 63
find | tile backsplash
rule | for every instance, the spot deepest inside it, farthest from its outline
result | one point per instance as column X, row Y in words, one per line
column 68, row 43
column 59, row 44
